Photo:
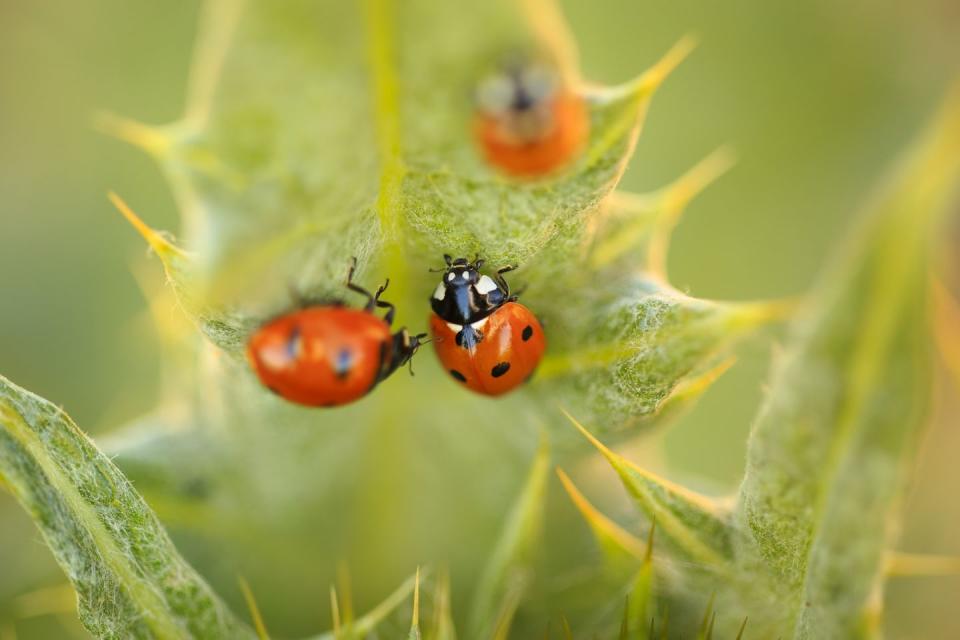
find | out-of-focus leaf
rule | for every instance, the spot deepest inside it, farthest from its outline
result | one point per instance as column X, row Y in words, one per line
column 415, row 618
column 442, row 627
column 130, row 580
column 303, row 146
column 508, row 572
column 829, row 450
column 629, row 348
column 946, row 327
column 368, row 623
column 618, row 546
column 642, row 604
column 695, row 525
column 632, row 348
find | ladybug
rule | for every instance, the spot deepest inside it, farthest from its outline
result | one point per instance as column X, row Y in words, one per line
column 330, row 355
column 528, row 124
column 484, row 338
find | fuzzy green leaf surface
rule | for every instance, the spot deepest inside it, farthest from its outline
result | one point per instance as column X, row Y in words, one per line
column 828, row 453
column 315, row 133
column 508, row 572
column 318, row 132
column 130, row 580
column 697, row 526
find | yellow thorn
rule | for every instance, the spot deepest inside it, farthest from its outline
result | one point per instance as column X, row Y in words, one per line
column 677, row 195
column 415, row 621
column 619, row 462
column 153, row 140
column 441, row 625
column 675, row 199
column 599, row 522
column 657, row 213
column 690, row 388
column 335, row 611
column 647, row 559
column 218, row 22
column 648, row 82
column 163, row 247
column 900, row 564
column 747, row 315
column 743, row 626
column 346, row 592
column 254, row 610
column 553, row 31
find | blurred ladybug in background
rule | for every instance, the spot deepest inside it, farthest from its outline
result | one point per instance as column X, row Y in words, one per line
column 484, row 338
column 330, row 355
column 528, row 124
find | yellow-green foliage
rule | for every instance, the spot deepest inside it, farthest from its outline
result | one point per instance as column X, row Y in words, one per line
column 315, row 132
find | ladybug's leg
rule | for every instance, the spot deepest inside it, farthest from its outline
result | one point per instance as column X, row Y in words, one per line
column 501, row 281
column 383, row 304
column 371, row 299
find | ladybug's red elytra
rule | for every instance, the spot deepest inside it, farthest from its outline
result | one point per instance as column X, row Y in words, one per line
column 484, row 338
column 528, row 124
column 330, row 355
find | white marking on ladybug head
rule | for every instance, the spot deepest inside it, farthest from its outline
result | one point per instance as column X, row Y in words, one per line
column 451, row 276
column 440, row 292
column 456, row 328
column 480, row 323
column 485, row 285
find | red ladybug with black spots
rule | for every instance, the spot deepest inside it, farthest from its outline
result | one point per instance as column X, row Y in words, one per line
column 528, row 123
column 486, row 340
column 330, row 355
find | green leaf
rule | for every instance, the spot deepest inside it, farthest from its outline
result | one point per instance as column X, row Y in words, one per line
column 828, row 453
column 366, row 624
column 442, row 627
column 642, row 595
column 302, row 147
column 415, row 618
column 619, row 546
column 629, row 348
column 508, row 572
column 698, row 527
column 130, row 580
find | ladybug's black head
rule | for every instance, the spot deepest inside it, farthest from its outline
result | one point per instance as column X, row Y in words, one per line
column 518, row 87
column 461, row 272
column 464, row 295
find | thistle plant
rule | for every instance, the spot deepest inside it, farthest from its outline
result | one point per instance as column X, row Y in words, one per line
column 316, row 133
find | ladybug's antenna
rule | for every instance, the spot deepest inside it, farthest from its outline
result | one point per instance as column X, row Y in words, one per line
column 417, row 342
column 446, row 258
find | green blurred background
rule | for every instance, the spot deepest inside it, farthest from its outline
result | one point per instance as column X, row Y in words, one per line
column 816, row 97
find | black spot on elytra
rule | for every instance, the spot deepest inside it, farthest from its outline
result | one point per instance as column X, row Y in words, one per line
column 527, row 333
column 499, row 369
column 459, row 338
column 343, row 364
column 457, row 375
column 293, row 343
